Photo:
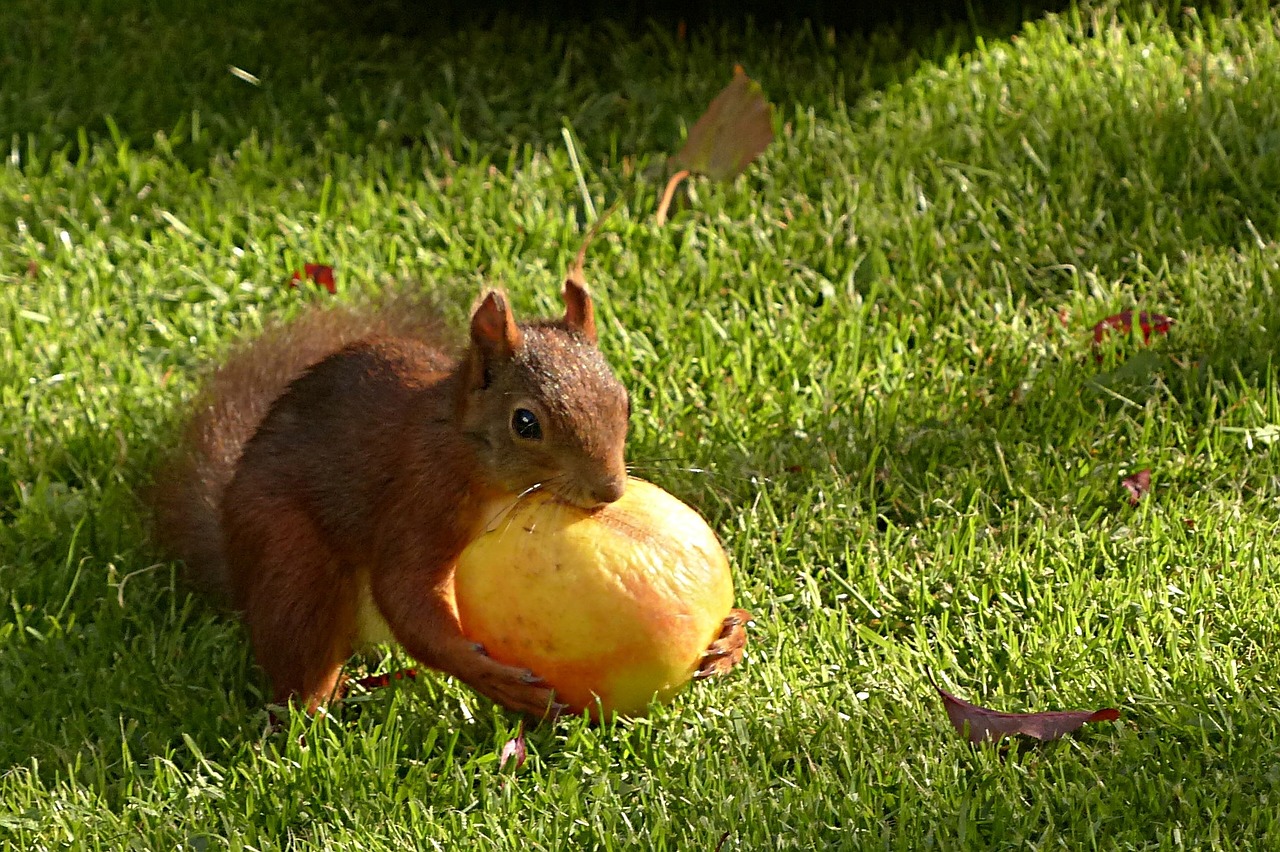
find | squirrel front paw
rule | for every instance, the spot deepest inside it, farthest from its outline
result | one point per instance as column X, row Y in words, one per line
column 513, row 687
column 727, row 650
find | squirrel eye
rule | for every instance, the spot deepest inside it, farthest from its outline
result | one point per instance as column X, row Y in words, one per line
column 525, row 424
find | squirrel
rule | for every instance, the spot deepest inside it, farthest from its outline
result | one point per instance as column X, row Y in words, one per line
column 348, row 453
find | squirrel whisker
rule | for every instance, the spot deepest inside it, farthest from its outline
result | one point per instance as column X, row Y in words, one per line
column 515, row 501
column 651, row 466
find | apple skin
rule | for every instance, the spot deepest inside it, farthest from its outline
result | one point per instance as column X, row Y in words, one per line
column 615, row 605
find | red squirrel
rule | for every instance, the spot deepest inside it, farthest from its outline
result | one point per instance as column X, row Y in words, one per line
column 344, row 452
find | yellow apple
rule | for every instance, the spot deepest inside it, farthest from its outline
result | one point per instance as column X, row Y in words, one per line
column 617, row 604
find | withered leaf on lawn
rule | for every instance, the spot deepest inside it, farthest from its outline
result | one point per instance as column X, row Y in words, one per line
column 1137, row 485
column 381, row 681
column 319, row 273
column 1123, row 323
column 982, row 725
column 735, row 129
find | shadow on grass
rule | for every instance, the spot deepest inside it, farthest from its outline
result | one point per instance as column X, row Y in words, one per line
column 457, row 80
column 1094, row 180
column 169, row 678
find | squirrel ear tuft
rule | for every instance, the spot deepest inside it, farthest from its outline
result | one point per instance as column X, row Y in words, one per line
column 493, row 328
column 579, row 313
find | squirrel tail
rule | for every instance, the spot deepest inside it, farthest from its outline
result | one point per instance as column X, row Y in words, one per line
column 185, row 496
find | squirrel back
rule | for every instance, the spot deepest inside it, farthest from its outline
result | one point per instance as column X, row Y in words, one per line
column 186, row 494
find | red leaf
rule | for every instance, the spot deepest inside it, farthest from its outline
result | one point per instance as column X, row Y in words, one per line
column 1137, row 485
column 379, row 681
column 514, row 748
column 983, row 725
column 1123, row 322
column 319, row 273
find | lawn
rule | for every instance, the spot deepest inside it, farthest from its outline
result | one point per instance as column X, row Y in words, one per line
column 869, row 362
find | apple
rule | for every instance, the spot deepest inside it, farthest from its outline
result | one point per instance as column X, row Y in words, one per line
column 614, row 606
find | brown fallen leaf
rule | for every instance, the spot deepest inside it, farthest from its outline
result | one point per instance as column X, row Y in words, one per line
column 982, row 725
column 1137, row 485
column 735, row 129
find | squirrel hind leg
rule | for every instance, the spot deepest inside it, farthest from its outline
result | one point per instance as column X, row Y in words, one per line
column 298, row 602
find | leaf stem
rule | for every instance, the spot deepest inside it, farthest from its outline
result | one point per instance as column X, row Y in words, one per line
column 667, row 195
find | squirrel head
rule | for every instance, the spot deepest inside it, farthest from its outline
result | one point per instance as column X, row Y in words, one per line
column 541, row 406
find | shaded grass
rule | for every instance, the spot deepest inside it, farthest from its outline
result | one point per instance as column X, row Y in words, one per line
column 877, row 343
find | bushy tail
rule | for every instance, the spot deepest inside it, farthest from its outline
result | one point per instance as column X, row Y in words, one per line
column 186, row 494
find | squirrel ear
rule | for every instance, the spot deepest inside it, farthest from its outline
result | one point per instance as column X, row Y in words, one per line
column 493, row 328
column 579, row 313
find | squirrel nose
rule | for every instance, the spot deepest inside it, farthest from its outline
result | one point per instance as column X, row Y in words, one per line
column 608, row 490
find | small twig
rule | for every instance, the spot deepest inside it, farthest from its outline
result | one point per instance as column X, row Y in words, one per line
column 577, row 272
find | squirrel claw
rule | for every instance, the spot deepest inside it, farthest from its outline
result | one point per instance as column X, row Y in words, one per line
column 728, row 648
column 516, row 689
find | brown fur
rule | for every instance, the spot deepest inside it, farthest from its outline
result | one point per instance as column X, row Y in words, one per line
column 347, row 448
column 186, row 496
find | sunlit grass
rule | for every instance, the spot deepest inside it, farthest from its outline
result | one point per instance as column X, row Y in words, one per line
column 874, row 348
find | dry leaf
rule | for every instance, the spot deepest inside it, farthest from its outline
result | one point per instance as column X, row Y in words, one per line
column 577, row 273
column 319, row 273
column 1123, row 322
column 982, row 725
column 735, row 129
column 1137, row 485
column 381, row 681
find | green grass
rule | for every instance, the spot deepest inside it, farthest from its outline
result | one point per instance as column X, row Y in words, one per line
column 877, row 343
